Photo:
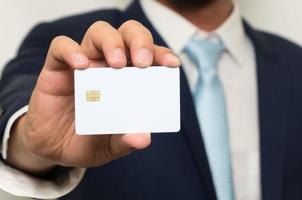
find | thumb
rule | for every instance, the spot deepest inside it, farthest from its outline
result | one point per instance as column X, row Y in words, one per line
column 122, row 145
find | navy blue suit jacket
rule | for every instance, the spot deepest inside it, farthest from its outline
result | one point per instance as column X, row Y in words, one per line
column 175, row 165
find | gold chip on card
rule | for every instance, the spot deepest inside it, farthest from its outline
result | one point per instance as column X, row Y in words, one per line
column 93, row 95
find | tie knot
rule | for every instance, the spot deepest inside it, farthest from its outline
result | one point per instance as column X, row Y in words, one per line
column 205, row 53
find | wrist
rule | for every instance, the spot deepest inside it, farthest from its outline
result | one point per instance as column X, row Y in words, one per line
column 20, row 157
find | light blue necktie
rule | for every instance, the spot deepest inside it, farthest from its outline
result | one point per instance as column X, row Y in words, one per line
column 211, row 110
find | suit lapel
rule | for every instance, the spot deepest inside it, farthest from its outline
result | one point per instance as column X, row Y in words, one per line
column 189, row 125
column 192, row 135
column 273, row 98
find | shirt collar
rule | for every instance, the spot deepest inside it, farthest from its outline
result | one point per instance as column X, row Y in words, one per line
column 173, row 28
column 233, row 35
column 178, row 31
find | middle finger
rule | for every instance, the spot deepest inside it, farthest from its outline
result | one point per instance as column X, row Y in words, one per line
column 102, row 41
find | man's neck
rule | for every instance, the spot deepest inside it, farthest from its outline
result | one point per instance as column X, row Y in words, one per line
column 207, row 18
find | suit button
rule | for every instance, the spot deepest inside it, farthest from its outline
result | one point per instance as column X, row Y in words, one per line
column 1, row 111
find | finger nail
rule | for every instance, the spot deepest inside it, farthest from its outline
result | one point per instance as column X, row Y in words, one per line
column 80, row 59
column 144, row 57
column 118, row 55
column 172, row 60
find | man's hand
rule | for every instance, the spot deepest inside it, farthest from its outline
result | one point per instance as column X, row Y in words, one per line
column 45, row 136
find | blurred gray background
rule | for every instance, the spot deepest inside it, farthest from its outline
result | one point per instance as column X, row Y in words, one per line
column 17, row 17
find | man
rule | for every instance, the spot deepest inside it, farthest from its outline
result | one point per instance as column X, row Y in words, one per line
column 253, row 76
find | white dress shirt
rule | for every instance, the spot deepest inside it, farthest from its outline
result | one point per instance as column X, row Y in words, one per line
column 237, row 71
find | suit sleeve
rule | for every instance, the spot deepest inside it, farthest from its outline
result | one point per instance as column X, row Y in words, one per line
column 20, row 74
column 16, row 85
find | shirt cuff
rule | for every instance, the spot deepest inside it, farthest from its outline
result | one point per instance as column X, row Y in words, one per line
column 21, row 184
column 8, row 128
